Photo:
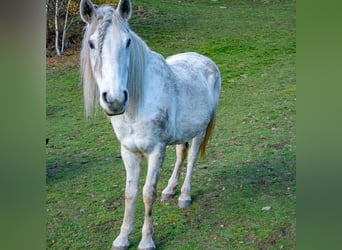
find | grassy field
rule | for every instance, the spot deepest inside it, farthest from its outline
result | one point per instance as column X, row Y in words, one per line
column 251, row 157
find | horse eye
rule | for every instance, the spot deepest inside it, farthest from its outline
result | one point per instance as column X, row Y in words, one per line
column 91, row 44
column 128, row 43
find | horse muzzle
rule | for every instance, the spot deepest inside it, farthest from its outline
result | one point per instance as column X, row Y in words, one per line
column 114, row 106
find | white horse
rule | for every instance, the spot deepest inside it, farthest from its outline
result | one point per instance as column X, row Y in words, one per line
column 151, row 102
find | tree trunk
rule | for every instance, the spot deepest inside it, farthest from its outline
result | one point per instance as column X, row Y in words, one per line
column 47, row 6
column 47, row 26
column 65, row 28
column 56, row 28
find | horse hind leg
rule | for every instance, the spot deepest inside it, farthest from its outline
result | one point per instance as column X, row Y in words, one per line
column 198, row 145
column 169, row 191
column 185, row 199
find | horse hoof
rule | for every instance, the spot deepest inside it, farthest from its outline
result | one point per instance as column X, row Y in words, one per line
column 166, row 196
column 147, row 248
column 120, row 248
column 120, row 243
column 184, row 203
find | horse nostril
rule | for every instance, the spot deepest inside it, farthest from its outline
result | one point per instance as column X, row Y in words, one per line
column 126, row 96
column 104, row 96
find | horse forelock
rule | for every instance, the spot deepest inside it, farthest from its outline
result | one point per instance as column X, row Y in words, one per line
column 104, row 16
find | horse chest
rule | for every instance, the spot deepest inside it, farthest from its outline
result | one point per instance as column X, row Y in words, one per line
column 141, row 136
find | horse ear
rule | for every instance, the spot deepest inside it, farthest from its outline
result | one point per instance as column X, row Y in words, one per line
column 87, row 10
column 125, row 9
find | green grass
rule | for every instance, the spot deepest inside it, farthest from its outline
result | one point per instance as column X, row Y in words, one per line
column 250, row 160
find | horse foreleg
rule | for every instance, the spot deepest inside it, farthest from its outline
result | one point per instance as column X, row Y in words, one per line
column 185, row 199
column 155, row 161
column 169, row 191
column 132, row 163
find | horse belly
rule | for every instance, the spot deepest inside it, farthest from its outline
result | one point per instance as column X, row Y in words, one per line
column 189, row 127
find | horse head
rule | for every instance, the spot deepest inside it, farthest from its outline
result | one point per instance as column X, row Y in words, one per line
column 107, row 43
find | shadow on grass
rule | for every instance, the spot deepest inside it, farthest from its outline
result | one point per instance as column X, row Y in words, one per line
column 227, row 205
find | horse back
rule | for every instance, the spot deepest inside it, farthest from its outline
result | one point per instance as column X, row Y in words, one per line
column 195, row 70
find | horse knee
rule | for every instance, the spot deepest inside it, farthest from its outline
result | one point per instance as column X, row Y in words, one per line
column 149, row 194
column 131, row 193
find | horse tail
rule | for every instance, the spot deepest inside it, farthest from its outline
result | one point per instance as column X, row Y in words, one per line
column 208, row 133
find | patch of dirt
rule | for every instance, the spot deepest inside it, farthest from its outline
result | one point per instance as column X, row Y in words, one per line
column 113, row 204
column 272, row 240
column 141, row 12
column 281, row 144
column 54, row 169
column 69, row 59
column 106, row 226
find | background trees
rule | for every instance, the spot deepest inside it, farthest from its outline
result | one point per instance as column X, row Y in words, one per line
column 63, row 24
